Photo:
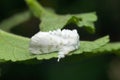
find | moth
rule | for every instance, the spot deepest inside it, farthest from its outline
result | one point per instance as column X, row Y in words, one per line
column 63, row 41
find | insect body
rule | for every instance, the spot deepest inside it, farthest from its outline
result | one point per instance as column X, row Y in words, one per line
column 62, row 41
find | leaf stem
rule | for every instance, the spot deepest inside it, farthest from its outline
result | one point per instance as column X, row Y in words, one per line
column 36, row 8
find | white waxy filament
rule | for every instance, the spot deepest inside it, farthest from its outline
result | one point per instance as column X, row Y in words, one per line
column 63, row 41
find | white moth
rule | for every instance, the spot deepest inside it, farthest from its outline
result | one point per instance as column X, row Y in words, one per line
column 63, row 41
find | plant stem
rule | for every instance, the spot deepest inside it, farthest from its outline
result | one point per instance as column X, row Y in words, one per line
column 36, row 8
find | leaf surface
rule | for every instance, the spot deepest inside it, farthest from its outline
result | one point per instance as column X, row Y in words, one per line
column 90, row 46
column 16, row 48
column 13, row 47
column 53, row 21
column 109, row 48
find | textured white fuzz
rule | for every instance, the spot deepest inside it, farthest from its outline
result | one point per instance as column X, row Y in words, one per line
column 62, row 41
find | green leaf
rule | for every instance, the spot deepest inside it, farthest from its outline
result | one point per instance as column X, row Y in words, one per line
column 14, row 20
column 85, row 20
column 109, row 48
column 15, row 48
column 53, row 21
column 89, row 46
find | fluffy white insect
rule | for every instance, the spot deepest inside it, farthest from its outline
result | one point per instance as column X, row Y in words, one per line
column 63, row 41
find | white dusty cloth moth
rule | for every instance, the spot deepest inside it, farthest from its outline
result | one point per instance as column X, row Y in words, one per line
column 63, row 41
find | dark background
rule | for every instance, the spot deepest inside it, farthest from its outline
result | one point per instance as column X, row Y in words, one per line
column 71, row 68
